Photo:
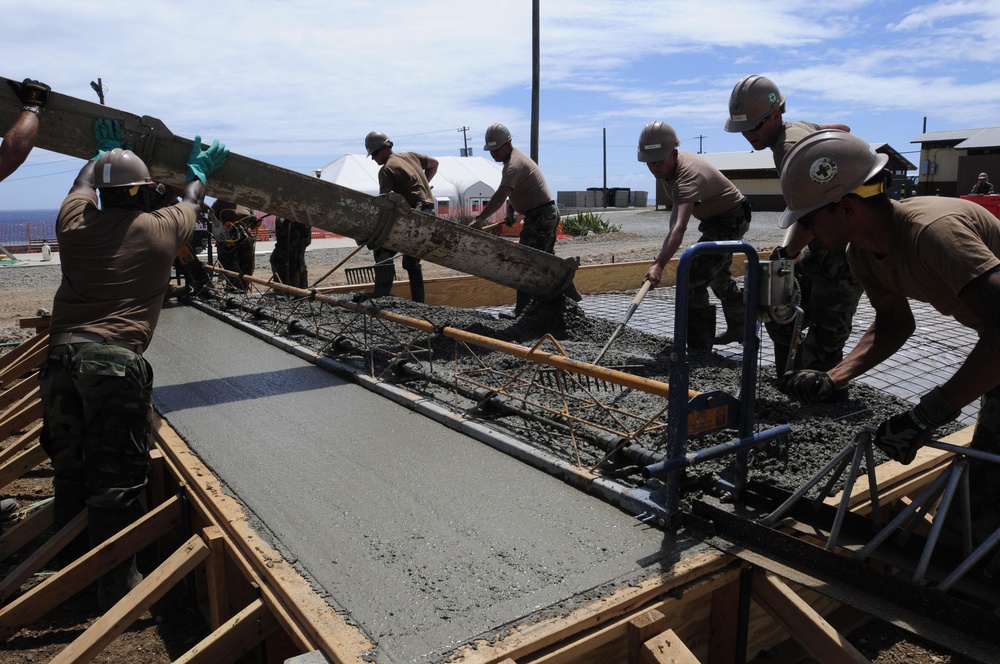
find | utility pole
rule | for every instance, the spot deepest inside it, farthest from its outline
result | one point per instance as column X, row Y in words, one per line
column 700, row 139
column 98, row 87
column 535, row 77
column 466, row 152
column 604, row 193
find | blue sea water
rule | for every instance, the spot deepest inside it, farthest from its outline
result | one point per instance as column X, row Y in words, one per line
column 17, row 227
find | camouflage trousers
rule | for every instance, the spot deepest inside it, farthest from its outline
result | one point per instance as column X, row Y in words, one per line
column 98, row 420
column 830, row 296
column 713, row 270
column 288, row 259
column 540, row 227
column 239, row 258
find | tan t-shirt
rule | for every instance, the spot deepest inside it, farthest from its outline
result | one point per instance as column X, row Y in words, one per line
column 116, row 265
column 790, row 134
column 698, row 181
column 528, row 187
column 938, row 246
column 404, row 174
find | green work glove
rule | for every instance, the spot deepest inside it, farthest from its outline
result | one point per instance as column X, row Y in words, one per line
column 31, row 93
column 202, row 163
column 108, row 134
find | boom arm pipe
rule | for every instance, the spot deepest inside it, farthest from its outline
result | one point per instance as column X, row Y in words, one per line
column 386, row 221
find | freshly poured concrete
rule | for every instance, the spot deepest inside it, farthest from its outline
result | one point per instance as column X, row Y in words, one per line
column 425, row 537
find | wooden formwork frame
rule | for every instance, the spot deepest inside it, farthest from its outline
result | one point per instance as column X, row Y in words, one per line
column 249, row 595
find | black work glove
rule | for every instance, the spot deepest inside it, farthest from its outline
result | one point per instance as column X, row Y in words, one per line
column 31, row 93
column 902, row 435
column 808, row 386
column 781, row 253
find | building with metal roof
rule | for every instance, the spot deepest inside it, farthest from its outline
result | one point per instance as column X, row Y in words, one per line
column 951, row 160
column 755, row 175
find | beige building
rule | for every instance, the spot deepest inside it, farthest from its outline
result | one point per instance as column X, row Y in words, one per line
column 951, row 161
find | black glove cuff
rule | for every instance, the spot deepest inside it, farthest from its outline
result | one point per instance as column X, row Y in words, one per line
column 933, row 410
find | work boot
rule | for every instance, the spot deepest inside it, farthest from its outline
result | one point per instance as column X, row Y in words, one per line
column 735, row 315
column 701, row 328
column 523, row 300
column 103, row 524
column 117, row 583
column 7, row 507
column 416, row 285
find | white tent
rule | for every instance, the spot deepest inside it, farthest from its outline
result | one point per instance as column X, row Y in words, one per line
column 462, row 185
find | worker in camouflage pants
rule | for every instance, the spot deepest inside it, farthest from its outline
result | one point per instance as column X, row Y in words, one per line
column 830, row 293
column 523, row 187
column 288, row 260
column 696, row 189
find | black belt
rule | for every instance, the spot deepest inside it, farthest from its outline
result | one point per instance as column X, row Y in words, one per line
column 67, row 338
column 536, row 209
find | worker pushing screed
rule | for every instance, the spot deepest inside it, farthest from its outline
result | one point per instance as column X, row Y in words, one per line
column 830, row 293
column 697, row 189
column 942, row 251
column 523, row 183
column 409, row 175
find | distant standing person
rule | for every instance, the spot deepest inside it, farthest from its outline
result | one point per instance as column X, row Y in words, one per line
column 17, row 143
column 409, row 175
column 943, row 251
column 830, row 293
column 698, row 189
column 96, row 387
column 523, row 183
column 235, row 239
column 288, row 259
column 982, row 186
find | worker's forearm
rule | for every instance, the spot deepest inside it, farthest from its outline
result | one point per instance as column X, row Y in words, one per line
column 872, row 349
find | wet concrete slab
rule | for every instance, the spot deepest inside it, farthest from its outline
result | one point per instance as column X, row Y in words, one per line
column 425, row 537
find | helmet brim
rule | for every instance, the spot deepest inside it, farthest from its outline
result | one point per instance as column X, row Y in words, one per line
column 790, row 216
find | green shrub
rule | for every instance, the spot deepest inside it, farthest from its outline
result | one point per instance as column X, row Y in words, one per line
column 587, row 222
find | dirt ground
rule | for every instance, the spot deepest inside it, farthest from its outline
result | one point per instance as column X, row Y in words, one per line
column 173, row 626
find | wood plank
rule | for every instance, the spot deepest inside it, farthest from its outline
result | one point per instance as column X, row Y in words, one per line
column 612, row 637
column 18, row 445
column 106, row 629
column 22, row 463
column 803, row 623
column 21, row 414
column 218, row 598
column 40, row 323
column 17, row 391
column 641, row 629
column 667, row 648
column 234, row 638
column 12, row 583
column 91, row 566
column 29, row 362
column 17, row 536
column 723, row 644
column 14, row 357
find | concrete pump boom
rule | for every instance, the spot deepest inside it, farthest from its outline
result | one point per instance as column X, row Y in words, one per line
column 67, row 127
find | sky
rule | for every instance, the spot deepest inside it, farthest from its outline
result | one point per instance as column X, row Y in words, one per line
column 299, row 83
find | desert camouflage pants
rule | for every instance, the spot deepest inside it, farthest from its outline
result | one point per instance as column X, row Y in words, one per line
column 830, row 295
column 97, row 420
column 540, row 228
